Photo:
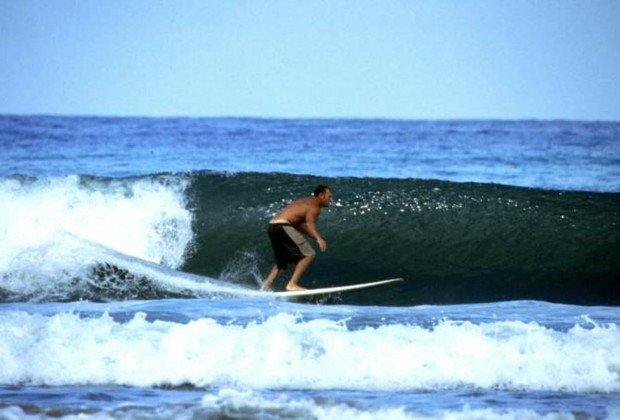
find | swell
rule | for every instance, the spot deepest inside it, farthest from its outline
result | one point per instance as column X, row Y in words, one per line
column 451, row 242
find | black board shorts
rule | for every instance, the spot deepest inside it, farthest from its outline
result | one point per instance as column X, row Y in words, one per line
column 289, row 245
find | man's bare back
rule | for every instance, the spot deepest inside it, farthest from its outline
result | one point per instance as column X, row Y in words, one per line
column 302, row 215
column 296, row 212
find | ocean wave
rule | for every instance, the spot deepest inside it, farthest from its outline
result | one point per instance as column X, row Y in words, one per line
column 69, row 268
column 234, row 403
column 285, row 352
column 451, row 242
column 74, row 238
column 145, row 217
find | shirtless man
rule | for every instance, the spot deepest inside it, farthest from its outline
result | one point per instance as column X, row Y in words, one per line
column 289, row 245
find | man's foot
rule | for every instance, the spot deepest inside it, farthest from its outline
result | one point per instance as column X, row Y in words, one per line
column 293, row 288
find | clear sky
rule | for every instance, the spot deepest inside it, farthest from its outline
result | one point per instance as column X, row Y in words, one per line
column 386, row 59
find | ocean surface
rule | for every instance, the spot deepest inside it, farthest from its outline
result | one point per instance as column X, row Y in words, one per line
column 132, row 249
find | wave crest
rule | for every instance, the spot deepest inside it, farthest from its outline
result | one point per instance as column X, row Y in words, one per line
column 286, row 352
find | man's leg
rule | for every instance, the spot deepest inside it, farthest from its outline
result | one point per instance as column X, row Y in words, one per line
column 275, row 272
column 300, row 269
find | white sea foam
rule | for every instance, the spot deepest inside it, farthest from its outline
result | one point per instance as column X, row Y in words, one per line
column 236, row 403
column 66, row 265
column 284, row 352
column 55, row 231
column 301, row 409
column 247, row 403
column 145, row 218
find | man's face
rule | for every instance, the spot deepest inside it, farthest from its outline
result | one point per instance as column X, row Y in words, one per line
column 326, row 198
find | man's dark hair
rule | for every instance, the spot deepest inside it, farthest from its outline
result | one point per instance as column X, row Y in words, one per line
column 320, row 190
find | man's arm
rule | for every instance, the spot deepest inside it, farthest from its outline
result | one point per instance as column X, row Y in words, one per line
column 310, row 228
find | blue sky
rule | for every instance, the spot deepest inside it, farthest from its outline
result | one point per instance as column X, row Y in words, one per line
column 360, row 59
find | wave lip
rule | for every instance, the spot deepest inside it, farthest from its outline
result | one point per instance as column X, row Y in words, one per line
column 144, row 217
column 285, row 353
column 61, row 234
column 70, row 268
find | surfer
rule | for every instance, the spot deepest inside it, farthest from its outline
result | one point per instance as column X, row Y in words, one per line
column 288, row 243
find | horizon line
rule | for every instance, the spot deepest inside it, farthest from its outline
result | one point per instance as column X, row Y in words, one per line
column 307, row 118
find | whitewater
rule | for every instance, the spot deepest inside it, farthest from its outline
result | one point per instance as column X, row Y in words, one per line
column 131, row 256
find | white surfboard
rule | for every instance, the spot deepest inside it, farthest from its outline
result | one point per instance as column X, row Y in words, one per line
column 327, row 290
